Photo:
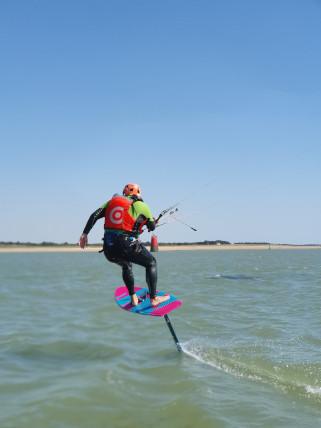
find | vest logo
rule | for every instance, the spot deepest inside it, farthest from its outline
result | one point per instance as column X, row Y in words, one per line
column 116, row 215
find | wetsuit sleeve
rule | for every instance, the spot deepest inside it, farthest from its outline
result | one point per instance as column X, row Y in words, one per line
column 96, row 215
column 141, row 208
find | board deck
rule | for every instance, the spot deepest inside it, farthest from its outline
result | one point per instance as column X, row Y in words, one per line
column 144, row 307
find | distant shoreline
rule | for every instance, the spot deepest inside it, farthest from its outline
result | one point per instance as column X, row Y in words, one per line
column 38, row 248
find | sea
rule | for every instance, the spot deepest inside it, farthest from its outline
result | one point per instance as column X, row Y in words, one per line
column 249, row 327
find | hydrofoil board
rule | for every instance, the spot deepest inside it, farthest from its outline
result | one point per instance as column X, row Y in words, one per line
column 145, row 307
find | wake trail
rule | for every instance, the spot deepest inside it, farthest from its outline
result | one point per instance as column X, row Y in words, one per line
column 219, row 360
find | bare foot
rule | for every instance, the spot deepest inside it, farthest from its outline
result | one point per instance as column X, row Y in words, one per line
column 160, row 299
column 134, row 300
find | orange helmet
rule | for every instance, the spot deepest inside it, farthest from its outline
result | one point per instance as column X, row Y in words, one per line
column 132, row 189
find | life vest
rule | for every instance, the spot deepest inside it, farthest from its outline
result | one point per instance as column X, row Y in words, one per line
column 117, row 215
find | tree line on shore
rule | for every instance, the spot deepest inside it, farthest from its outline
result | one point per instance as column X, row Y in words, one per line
column 68, row 244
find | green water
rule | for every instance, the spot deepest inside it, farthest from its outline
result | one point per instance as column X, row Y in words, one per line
column 249, row 326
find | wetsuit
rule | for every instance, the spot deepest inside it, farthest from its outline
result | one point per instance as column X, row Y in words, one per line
column 121, row 244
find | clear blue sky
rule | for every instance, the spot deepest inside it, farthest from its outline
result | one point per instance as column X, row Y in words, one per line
column 216, row 104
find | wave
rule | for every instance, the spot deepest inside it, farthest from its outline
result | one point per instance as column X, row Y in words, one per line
column 233, row 277
column 64, row 350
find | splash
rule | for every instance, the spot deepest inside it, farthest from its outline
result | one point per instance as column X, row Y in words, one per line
column 217, row 359
column 289, row 379
column 313, row 390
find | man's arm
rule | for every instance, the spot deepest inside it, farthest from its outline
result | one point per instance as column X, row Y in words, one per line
column 96, row 215
column 151, row 225
column 143, row 213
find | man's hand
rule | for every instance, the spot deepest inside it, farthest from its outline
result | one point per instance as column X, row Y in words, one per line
column 151, row 225
column 83, row 241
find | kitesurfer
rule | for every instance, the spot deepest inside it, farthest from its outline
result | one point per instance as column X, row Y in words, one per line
column 125, row 216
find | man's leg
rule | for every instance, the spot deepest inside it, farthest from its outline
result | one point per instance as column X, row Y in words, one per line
column 128, row 276
column 143, row 257
column 114, row 253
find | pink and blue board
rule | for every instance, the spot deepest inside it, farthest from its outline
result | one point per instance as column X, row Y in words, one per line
column 144, row 307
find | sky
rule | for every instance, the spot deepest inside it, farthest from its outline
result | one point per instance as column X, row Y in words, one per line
column 214, row 105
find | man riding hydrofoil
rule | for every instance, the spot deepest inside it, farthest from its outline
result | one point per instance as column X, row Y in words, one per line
column 125, row 216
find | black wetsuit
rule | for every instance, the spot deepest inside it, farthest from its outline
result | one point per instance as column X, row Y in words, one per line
column 124, row 249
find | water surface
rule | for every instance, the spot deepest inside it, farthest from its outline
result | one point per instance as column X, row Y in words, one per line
column 249, row 326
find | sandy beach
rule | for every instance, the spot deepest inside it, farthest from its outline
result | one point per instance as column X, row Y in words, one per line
column 183, row 247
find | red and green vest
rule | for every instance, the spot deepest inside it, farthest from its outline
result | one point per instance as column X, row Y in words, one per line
column 122, row 214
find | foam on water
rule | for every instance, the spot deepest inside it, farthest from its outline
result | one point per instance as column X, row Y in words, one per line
column 275, row 375
column 313, row 390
